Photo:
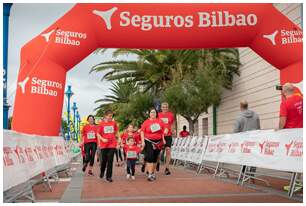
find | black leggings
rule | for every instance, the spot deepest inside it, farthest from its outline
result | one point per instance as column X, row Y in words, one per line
column 118, row 155
column 90, row 151
column 106, row 158
column 130, row 167
column 151, row 154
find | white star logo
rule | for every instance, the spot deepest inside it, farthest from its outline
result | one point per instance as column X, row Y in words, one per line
column 106, row 16
column 23, row 83
column 271, row 37
column 47, row 35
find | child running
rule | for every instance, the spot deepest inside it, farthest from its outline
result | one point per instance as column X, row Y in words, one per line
column 131, row 151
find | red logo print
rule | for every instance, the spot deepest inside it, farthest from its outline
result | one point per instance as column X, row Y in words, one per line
column 261, row 146
column 29, row 153
column 8, row 161
column 19, row 153
column 288, row 146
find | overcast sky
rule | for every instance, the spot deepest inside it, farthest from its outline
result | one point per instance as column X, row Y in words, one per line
column 26, row 22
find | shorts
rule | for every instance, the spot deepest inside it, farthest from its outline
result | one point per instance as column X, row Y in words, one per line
column 168, row 140
column 151, row 152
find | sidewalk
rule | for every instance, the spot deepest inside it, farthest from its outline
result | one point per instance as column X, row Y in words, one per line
column 181, row 186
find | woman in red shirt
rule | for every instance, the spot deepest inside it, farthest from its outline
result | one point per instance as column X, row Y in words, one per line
column 89, row 140
column 107, row 134
column 152, row 138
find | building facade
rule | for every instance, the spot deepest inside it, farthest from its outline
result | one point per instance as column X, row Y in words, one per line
column 256, row 84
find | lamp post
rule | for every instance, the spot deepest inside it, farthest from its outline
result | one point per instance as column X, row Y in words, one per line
column 69, row 94
column 74, row 108
column 78, row 125
column 6, row 15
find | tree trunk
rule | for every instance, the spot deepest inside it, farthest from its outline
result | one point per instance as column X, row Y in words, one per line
column 191, row 127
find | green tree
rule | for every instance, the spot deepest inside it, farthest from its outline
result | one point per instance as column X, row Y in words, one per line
column 127, row 102
column 190, row 80
column 121, row 90
column 64, row 126
column 153, row 70
column 191, row 97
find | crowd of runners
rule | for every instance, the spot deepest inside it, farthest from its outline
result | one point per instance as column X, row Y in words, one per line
column 154, row 136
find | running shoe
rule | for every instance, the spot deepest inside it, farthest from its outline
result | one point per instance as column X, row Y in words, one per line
column 167, row 171
column 157, row 167
column 133, row 177
column 84, row 167
column 154, row 176
column 101, row 175
column 150, row 178
column 128, row 176
column 90, row 173
column 109, row 179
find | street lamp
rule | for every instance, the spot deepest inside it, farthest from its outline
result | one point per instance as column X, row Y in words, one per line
column 78, row 125
column 74, row 108
column 69, row 94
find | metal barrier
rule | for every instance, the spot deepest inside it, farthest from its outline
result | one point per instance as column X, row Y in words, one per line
column 26, row 189
column 219, row 169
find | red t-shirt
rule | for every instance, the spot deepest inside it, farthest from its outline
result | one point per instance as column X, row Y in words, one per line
column 131, row 151
column 292, row 109
column 125, row 135
column 153, row 129
column 108, row 130
column 89, row 133
column 137, row 137
column 184, row 133
column 168, row 119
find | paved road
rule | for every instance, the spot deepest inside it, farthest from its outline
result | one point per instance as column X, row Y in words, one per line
column 182, row 186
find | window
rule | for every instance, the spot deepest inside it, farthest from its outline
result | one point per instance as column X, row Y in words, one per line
column 205, row 126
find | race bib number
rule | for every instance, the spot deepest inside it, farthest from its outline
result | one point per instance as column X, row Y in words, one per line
column 131, row 154
column 165, row 120
column 155, row 128
column 108, row 129
column 91, row 135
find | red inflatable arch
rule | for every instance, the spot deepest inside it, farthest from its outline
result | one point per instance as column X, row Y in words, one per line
column 46, row 59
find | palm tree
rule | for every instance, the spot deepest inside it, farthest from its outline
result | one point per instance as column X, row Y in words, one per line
column 155, row 70
column 122, row 89
column 203, row 71
column 128, row 103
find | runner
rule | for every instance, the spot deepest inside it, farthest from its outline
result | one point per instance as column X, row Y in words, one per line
column 132, row 152
column 128, row 132
column 89, row 140
column 107, row 133
column 169, row 121
column 137, row 136
column 152, row 138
